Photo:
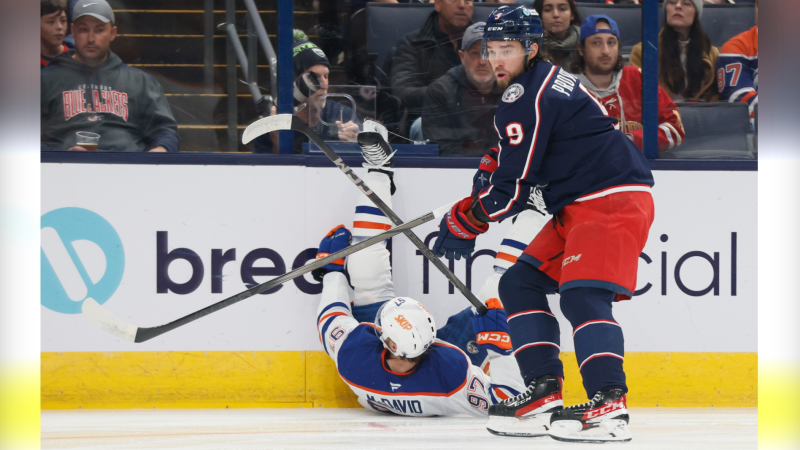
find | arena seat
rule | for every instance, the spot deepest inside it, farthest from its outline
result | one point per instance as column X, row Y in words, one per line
column 387, row 23
column 628, row 18
column 720, row 22
column 713, row 130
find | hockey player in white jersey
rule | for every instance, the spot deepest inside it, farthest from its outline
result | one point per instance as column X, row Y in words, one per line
column 385, row 347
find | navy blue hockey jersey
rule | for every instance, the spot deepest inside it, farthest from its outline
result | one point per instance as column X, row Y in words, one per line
column 555, row 136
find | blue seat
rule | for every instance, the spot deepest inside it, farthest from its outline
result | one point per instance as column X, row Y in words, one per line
column 713, row 130
column 720, row 22
column 387, row 23
column 628, row 18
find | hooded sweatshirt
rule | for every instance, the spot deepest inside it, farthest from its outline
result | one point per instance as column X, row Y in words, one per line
column 623, row 100
column 125, row 106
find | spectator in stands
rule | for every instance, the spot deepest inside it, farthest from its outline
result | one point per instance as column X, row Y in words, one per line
column 687, row 62
column 459, row 106
column 562, row 27
column 311, row 70
column 600, row 67
column 53, row 25
column 737, row 69
column 426, row 54
column 92, row 90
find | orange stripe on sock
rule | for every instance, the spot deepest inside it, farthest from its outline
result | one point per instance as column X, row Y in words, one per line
column 506, row 256
column 371, row 225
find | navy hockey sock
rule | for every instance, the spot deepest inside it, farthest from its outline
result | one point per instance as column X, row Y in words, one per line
column 532, row 326
column 599, row 344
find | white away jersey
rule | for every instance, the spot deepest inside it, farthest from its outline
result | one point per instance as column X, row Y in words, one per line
column 444, row 383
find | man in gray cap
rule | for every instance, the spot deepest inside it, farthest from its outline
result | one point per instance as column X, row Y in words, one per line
column 93, row 91
column 459, row 107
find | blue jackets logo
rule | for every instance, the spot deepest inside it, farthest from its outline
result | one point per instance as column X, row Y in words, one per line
column 81, row 256
column 513, row 92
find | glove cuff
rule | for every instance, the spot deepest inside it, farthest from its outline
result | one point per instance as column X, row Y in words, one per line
column 459, row 224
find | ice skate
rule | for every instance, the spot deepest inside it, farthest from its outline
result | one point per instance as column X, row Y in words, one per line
column 375, row 148
column 527, row 414
column 604, row 418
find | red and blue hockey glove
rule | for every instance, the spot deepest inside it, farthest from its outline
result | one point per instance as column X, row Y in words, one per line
column 336, row 239
column 491, row 329
column 456, row 233
column 481, row 178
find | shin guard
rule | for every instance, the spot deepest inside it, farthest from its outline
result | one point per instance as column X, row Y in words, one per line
column 532, row 326
column 599, row 344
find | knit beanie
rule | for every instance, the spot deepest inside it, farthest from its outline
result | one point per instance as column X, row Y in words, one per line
column 698, row 5
column 306, row 54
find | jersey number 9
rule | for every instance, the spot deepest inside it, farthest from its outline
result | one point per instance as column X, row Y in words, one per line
column 515, row 133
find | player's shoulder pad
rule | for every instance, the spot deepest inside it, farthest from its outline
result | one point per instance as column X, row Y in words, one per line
column 448, row 359
column 561, row 84
column 361, row 341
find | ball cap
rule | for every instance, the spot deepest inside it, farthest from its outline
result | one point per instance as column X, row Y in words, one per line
column 99, row 9
column 589, row 26
column 473, row 34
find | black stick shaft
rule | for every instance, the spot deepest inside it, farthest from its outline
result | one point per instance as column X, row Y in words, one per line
column 144, row 334
column 299, row 125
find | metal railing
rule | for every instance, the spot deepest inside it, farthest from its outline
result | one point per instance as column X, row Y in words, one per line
column 247, row 60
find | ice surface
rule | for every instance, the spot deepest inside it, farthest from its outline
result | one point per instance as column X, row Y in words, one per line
column 652, row 428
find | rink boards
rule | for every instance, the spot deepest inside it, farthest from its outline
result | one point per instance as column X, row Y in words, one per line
column 154, row 243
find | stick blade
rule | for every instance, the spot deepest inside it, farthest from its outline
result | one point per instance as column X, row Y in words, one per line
column 266, row 125
column 107, row 321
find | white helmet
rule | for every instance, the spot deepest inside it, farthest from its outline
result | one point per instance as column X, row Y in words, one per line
column 408, row 324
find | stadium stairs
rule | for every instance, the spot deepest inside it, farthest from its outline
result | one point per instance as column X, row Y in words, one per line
column 166, row 40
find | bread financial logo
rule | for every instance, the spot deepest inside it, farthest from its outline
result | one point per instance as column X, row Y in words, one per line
column 81, row 257
column 513, row 92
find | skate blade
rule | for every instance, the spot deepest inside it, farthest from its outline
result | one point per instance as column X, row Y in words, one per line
column 535, row 426
column 612, row 430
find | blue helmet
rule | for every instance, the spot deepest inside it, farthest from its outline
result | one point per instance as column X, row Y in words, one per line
column 513, row 23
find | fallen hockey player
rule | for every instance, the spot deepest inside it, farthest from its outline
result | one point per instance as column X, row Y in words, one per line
column 385, row 347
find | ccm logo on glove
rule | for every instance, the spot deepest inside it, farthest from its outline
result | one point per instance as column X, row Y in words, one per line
column 502, row 340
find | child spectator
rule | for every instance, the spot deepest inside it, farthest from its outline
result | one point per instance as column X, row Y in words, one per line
column 600, row 68
column 561, row 22
column 737, row 69
column 687, row 62
column 53, row 25
column 92, row 90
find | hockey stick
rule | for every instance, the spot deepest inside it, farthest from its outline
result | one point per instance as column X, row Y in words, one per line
column 294, row 123
column 121, row 329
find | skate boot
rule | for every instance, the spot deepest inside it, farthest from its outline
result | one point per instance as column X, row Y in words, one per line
column 527, row 414
column 376, row 150
column 604, row 418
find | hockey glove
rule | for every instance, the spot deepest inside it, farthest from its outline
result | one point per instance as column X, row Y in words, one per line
column 491, row 329
column 456, row 233
column 336, row 239
column 481, row 178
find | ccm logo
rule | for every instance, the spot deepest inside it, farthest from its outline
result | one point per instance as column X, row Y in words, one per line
column 591, row 414
column 493, row 337
column 404, row 323
column 570, row 259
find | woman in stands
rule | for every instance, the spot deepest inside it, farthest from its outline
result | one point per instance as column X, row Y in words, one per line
column 686, row 58
column 562, row 25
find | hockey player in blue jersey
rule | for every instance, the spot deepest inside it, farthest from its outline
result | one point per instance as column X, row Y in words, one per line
column 385, row 347
column 556, row 137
